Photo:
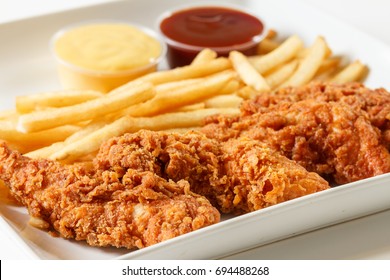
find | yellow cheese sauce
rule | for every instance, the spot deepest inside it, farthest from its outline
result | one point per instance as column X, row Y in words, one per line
column 109, row 47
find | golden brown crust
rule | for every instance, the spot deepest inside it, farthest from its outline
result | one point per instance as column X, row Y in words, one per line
column 340, row 132
column 132, row 210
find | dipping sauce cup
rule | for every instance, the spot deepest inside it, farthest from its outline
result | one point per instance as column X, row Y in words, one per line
column 189, row 30
column 105, row 55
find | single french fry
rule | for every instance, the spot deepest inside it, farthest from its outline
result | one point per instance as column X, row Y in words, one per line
column 355, row 71
column 187, row 72
column 304, row 52
column 282, row 54
column 325, row 76
column 281, row 74
column 247, row 92
column 206, row 55
column 8, row 132
column 271, row 34
column 10, row 114
column 46, row 151
column 224, row 101
column 310, row 64
column 31, row 141
column 180, row 73
column 38, row 223
column 266, row 46
column 192, row 107
column 165, row 101
column 328, row 68
column 28, row 103
column 247, row 72
column 328, row 65
column 92, row 142
column 230, row 87
column 177, row 84
column 88, row 110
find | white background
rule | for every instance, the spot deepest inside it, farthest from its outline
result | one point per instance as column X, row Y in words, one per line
column 352, row 240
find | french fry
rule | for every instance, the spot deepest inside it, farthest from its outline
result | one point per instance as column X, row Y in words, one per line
column 328, row 69
column 324, row 76
column 230, row 87
column 271, row 34
column 310, row 64
column 38, row 223
column 224, row 101
column 92, row 142
column 177, row 84
column 206, row 55
column 167, row 87
column 180, row 73
column 247, row 92
column 192, row 107
column 267, row 46
column 282, row 54
column 188, row 72
column 47, row 151
column 28, row 103
column 281, row 74
column 31, row 141
column 304, row 52
column 10, row 114
column 247, row 72
column 165, row 101
column 328, row 65
column 88, row 110
column 355, row 71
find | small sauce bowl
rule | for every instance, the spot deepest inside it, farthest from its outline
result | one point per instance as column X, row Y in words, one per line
column 105, row 55
column 187, row 31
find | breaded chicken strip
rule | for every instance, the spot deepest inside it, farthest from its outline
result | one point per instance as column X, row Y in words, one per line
column 237, row 176
column 375, row 103
column 340, row 140
column 261, row 177
column 131, row 209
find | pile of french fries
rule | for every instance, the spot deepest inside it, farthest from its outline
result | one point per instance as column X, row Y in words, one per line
column 70, row 125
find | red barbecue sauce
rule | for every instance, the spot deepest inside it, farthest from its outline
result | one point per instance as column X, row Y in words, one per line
column 222, row 29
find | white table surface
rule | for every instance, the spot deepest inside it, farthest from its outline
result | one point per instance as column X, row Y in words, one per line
column 364, row 238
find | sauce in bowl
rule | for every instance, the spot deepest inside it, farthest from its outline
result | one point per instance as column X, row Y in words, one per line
column 222, row 29
column 105, row 55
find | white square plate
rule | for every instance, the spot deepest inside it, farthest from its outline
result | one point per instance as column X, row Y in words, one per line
column 27, row 67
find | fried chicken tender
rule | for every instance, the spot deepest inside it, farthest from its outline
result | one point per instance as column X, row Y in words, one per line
column 131, row 209
column 335, row 131
column 237, row 176
column 260, row 177
column 374, row 102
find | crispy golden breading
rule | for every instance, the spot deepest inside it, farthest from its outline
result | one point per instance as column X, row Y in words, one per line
column 260, row 177
column 374, row 102
column 338, row 132
column 237, row 176
column 133, row 209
